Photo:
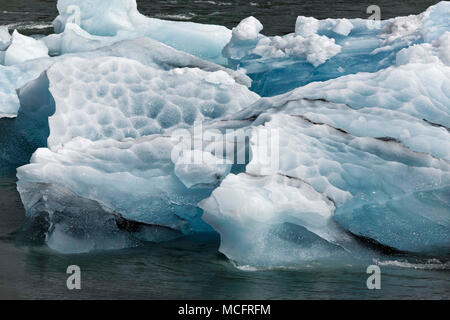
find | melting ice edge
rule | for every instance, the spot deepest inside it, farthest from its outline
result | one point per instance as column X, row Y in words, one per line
column 362, row 115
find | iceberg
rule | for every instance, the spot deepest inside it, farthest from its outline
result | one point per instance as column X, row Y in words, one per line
column 112, row 21
column 293, row 148
column 111, row 128
column 117, row 98
column 23, row 48
column 364, row 184
column 414, row 86
column 272, row 220
column 414, row 133
column 320, row 50
column 144, row 50
column 29, row 105
column 13, row 78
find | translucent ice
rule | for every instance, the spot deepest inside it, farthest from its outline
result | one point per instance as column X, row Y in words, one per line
column 110, row 142
column 327, row 175
column 362, row 127
column 418, row 89
column 320, row 50
column 343, row 27
column 144, row 50
column 13, row 78
column 415, row 133
column 248, row 29
column 118, row 98
column 120, row 20
column 266, row 220
column 5, row 38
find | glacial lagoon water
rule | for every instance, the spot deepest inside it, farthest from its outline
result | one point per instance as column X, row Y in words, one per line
column 191, row 267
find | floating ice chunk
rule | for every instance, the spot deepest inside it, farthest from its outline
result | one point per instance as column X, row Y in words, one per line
column 247, row 29
column 267, row 221
column 442, row 46
column 363, row 173
column 436, row 52
column 402, row 27
column 105, row 143
column 370, row 151
column 196, row 167
column 316, row 49
column 306, row 26
column 418, row 89
column 120, row 20
column 134, row 179
column 24, row 48
column 144, row 50
column 5, row 38
column 269, row 199
column 343, row 27
column 372, row 183
column 416, row 134
column 304, row 44
column 14, row 77
column 30, row 130
column 99, row 17
column 118, row 98
column 364, row 49
column 244, row 38
column 74, row 39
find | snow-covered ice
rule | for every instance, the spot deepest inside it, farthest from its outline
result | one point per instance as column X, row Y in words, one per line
column 111, row 127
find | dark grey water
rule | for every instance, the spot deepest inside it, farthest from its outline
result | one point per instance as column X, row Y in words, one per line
column 278, row 17
column 192, row 268
column 188, row 268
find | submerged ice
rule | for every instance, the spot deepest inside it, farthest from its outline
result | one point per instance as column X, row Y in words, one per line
column 102, row 117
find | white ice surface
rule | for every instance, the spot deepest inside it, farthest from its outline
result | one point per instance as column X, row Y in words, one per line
column 23, row 48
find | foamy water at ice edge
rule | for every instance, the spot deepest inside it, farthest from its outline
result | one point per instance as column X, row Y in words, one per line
column 361, row 116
